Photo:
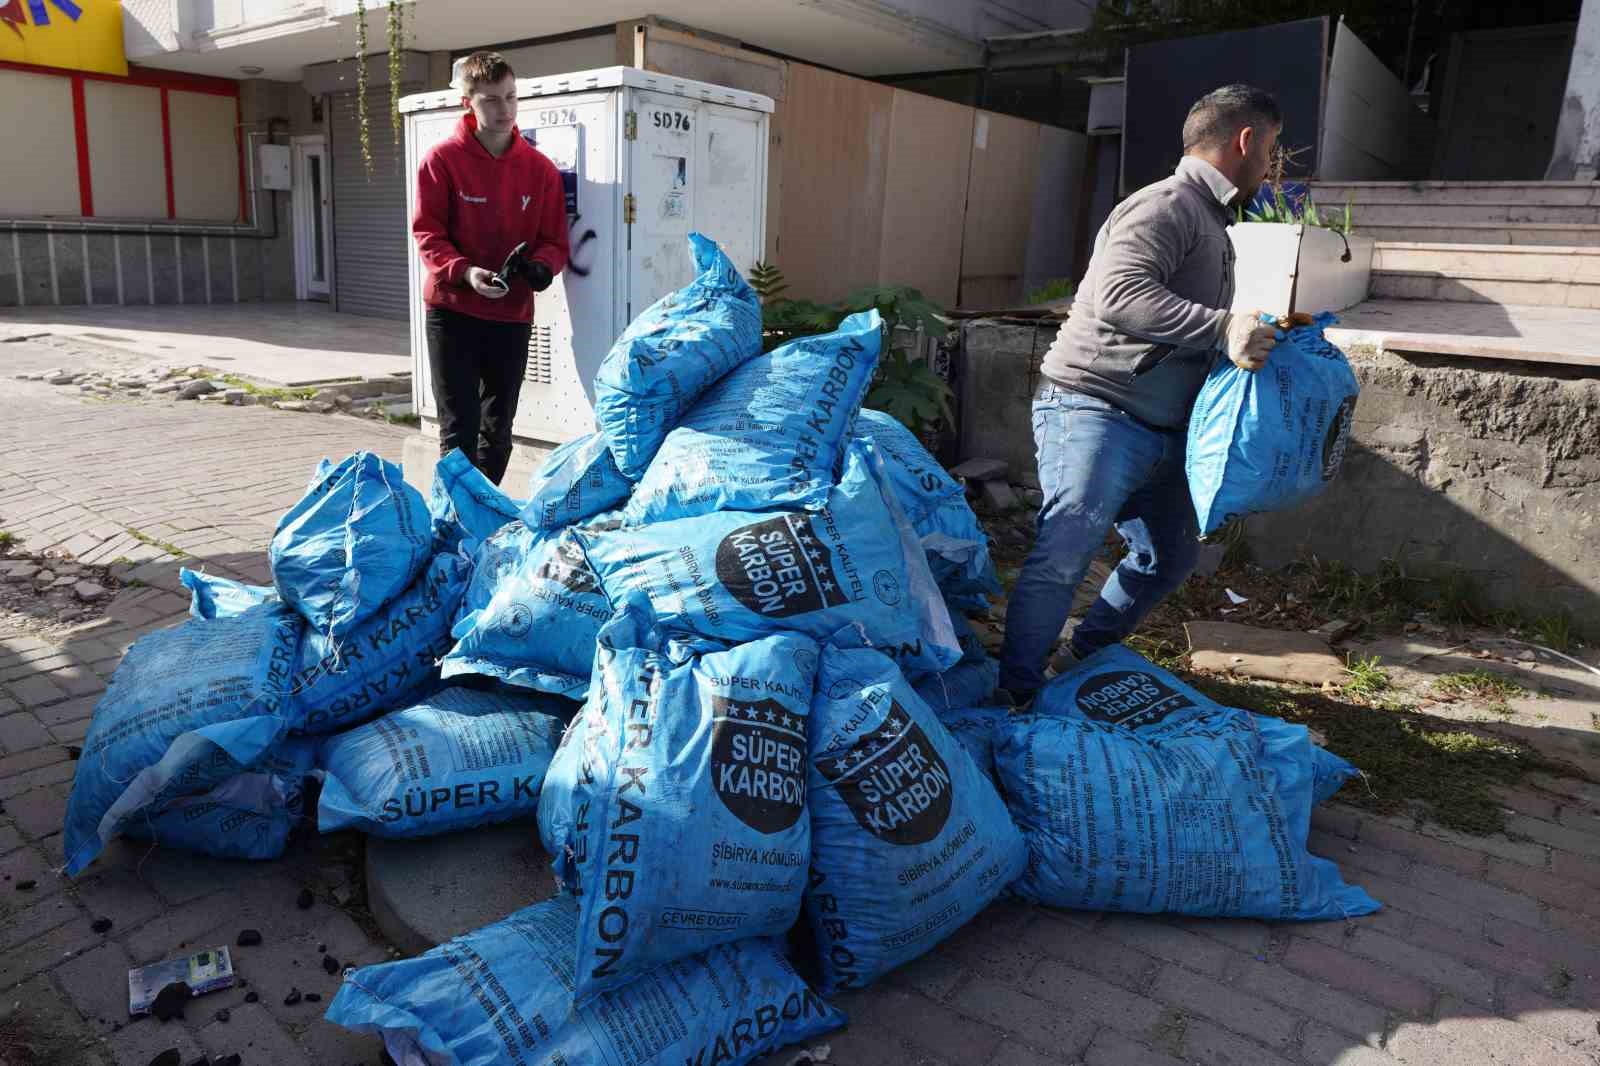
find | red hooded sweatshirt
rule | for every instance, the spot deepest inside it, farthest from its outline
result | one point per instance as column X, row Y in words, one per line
column 472, row 209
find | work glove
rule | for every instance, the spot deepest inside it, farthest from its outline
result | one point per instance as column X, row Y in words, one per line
column 1249, row 339
column 539, row 276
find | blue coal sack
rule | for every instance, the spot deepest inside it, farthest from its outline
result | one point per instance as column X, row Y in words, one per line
column 1137, row 793
column 769, row 434
column 740, row 576
column 1269, row 439
column 695, row 831
column 502, row 996
column 673, row 352
column 909, row 839
column 354, row 542
column 458, row 759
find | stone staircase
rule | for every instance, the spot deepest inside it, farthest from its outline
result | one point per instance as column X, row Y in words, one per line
column 1514, row 243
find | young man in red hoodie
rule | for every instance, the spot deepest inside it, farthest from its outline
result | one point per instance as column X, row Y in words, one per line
column 480, row 194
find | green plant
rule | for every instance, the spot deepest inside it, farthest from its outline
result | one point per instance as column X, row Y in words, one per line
column 166, row 546
column 907, row 388
column 768, row 282
column 1459, row 600
column 365, row 134
column 1555, row 631
column 1052, row 290
column 1237, row 551
column 8, row 539
column 910, row 391
column 1367, row 676
column 397, row 38
column 1280, row 208
column 1483, row 683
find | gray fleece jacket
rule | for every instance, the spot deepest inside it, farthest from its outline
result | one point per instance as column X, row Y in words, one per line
column 1151, row 313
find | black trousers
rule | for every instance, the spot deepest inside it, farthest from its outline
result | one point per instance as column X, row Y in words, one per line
column 477, row 368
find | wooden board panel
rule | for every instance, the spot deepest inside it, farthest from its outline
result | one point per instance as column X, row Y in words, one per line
column 835, row 164
column 1005, row 168
column 1371, row 130
column 930, row 150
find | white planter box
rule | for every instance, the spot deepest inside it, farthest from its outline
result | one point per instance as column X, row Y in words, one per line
column 1283, row 267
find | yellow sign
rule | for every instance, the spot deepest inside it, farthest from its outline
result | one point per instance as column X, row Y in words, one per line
column 71, row 34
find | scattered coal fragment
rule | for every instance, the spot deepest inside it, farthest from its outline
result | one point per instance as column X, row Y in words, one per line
column 228, row 1060
column 330, row 964
column 101, row 925
column 292, row 998
column 251, row 997
column 73, row 751
column 171, row 1000
column 305, row 899
column 224, row 1015
column 170, row 1057
column 26, row 886
column 313, row 997
column 248, row 938
column 322, row 949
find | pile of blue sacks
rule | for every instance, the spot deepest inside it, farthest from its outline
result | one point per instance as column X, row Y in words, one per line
column 719, row 656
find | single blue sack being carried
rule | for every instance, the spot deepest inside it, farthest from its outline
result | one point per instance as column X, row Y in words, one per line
column 502, row 996
column 538, row 629
column 671, row 354
column 465, row 504
column 353, row 543
column 211, row 596
column 909, row 839
column 458, row 759
column 187, row 709
column 248, row 816
column 770, row 434
column 694, row 832
column 577, row 481
column 1275, row 437
column 1137, row 793
column 741, row 576
column 389, row 661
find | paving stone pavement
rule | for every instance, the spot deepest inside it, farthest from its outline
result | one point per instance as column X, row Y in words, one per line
column 1488, row 950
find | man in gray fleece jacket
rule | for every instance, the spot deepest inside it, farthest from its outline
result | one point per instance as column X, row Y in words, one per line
column 1110, row 416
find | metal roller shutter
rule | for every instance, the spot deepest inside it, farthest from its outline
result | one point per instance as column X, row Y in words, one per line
column 370, row 228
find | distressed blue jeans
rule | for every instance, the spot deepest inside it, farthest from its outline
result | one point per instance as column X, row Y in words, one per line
column 1099, row 468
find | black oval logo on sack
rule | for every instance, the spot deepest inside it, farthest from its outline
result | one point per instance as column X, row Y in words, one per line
column 893, row 781
column 1338, row 439
column 758, row 762
column 1130, row 698
column 805, row 661
column 568, row 567
column 779, row 568
column 887, row 587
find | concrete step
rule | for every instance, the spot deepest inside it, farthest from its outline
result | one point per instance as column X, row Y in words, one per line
column 1531, row 275
column 1439, row 193
column 1487, row 233
column 1502, row 213
column 1531, row 262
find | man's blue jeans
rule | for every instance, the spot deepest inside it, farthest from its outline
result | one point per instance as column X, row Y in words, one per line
column 1099, row 468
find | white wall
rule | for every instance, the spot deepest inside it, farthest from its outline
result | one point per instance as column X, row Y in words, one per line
column 1577, row 151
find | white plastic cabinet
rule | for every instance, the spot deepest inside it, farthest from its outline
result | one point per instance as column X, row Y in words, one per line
column 647, row 158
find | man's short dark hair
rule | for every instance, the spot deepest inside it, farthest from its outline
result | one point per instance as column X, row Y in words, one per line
column 1218, row 116
column 483, row 68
